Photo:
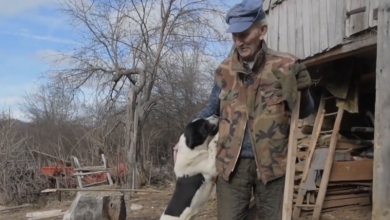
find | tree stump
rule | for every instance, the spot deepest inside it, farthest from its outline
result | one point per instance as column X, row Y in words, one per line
column 97, row 205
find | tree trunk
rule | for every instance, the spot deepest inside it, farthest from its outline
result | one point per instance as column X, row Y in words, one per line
column 136, row 177
column 131, row 138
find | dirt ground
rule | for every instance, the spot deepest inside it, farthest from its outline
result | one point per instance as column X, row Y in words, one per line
column 153, row 205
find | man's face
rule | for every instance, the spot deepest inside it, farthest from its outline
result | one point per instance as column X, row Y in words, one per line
column 248, row 42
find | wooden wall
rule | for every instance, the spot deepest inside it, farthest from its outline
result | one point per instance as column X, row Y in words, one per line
column 309, row 27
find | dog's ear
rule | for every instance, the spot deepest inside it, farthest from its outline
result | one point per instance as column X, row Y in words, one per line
column 205, row 129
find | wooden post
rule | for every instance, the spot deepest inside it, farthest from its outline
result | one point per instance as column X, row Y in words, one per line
column 381, row 182
column 290, row 168
column 57, row 187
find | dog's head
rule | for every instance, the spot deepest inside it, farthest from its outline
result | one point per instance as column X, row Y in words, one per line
column 199, row 132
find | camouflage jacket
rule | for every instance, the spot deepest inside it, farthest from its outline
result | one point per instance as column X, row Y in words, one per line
column 251, row 97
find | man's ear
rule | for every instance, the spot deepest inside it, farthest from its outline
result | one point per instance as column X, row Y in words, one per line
column 263, row 31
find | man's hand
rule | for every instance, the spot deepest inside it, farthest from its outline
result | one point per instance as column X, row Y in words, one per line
column 282, row 78
column 303, row 80
column 302, row 77
column 287, row 86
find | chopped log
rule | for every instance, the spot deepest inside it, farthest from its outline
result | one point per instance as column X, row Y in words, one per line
column 97, row 206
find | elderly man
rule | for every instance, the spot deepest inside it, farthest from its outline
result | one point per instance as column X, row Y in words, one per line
column 255, row 89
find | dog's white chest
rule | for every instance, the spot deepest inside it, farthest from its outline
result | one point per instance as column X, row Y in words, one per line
column 195, row 170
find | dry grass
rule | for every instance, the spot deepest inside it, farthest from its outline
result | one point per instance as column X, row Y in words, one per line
column 154, row 204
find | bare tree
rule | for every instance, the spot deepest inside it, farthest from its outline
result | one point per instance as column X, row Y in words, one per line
column 185, row 82
column 126, row 43
column 18, row 179
column 52, row 103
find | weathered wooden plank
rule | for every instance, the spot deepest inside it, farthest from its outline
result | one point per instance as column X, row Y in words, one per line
column 269, row 32
column 43, row 213
column 381, row 182
column 355, row 47
column 306, row 12
column 331, row 16
column 291, row 11
column 269, row 20
column 274, row 26
column 373, row 14
column 323, row 5
column 291, row 157
column 315, row 27
column 266, row 35
column 340, row 22
column 283, row 30
column 267, row 38
column 299, row 50
column 3, row 209
column 348, row 22
column 273, row 3
column 359, row 21
column 367, row 4
column 328, row 166
column 266, row 4
column 351, row 171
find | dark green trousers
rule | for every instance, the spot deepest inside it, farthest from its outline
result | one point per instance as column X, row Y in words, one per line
column 233, row 197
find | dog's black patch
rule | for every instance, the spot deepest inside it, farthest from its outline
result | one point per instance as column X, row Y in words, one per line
column 197, row 132
column 185, row 190
column 214, row 131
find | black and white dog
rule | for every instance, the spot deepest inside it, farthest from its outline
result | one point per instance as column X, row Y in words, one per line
column 194, row 169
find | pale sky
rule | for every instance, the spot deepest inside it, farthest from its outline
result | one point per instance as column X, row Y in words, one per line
column 30, row 30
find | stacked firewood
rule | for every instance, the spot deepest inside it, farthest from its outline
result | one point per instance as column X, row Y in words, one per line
column 351, row 174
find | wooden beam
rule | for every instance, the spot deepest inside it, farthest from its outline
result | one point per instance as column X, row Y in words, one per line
column 368, row 42
column 381, row 182
column 291, row 157
column 328, row 166
column 351, row 171
column 14, row 207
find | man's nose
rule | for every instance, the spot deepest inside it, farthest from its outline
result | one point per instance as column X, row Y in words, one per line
column 237, row 40
column 238, row 43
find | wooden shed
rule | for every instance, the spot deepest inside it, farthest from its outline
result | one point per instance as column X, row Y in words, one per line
column 321, row 30
column 345, row 40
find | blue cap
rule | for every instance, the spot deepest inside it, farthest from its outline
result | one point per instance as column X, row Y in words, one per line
column 242, row 15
